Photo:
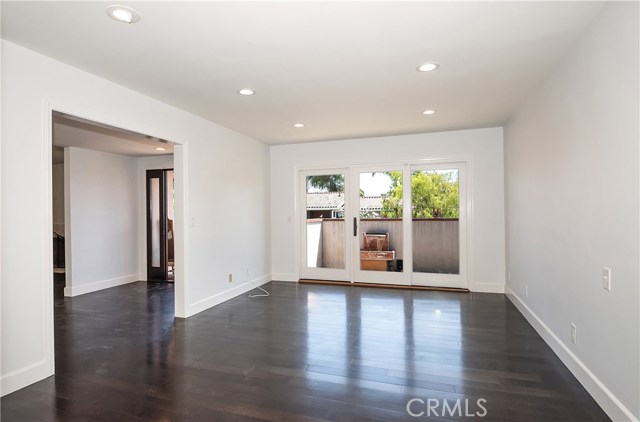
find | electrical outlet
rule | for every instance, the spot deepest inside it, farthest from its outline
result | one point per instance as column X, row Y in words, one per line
column 574, row 334
column 230, row 278
column 606, row 278
column 526, row 290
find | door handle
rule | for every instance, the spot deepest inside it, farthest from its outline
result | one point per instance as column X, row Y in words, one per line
column 355, row 226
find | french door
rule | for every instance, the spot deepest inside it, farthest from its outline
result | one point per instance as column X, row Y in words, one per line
column 438, row 225
column 402, row 224
column 323, row 205
column 380, row 239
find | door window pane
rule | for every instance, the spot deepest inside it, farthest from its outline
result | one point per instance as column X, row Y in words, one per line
column 380, row 228
column 170, row 225
column 154, row 215
column 325, row 202
column 435, row 221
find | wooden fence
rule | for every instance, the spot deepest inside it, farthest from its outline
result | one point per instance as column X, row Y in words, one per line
column 436, row 242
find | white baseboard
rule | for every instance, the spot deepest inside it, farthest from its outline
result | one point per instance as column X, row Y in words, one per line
column 284, row 277
column 600, row 393
column 21, row 378
column 488, row 288
column 82, row 289
column 217, row 299
column 477, row 287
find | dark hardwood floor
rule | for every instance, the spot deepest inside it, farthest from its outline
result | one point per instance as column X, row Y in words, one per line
column 307, row 352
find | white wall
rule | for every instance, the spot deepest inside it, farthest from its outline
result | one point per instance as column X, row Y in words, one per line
column 571, row 156
column 144, row 164
column 58, row 198
column 482, row 146
column 226, row 199
column 103, row 220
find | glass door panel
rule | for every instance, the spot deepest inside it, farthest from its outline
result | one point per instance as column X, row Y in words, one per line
column 156, row 226
column 323, row 228
column 379, row 227
column 170, row 195
column 438, row 225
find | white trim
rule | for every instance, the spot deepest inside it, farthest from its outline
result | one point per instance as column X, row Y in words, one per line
column 470, row 226
column 181, row 230
column 68, row 239
column 47, row 216
column 381, row 163
column 600, row 393
column 284, row 277
column 1, row 383
column 82, row 289
column 209, row 302
column 22, row 377
column 297, row 235
column 488, row 288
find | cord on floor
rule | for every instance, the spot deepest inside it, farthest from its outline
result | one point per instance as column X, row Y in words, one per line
column 257, row 295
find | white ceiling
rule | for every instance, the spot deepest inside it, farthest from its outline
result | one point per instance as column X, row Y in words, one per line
column 70, row 131
column 344, row 69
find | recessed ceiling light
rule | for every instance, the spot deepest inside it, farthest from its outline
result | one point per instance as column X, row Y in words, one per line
column 427, row 67
column 429, row 112
column 246, row 92
column 298, row 125
column 160, row 149
column 123, row 14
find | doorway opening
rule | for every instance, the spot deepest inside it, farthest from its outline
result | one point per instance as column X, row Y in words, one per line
column 98, row 205
column 102, row 174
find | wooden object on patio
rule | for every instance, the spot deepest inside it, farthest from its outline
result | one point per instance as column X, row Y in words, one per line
column 376, row 241
column 376, row 255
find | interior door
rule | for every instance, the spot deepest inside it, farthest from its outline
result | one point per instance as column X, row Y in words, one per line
column 157, row 259
column 439, row 225
column 379, row 225
column 323, row 227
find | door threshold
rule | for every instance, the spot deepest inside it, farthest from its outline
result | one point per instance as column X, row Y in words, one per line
column 383, row 286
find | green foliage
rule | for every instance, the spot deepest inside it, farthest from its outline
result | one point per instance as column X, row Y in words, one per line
column 368, row 214
column 326, row 183
column 392, row 203
column 434, row 195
